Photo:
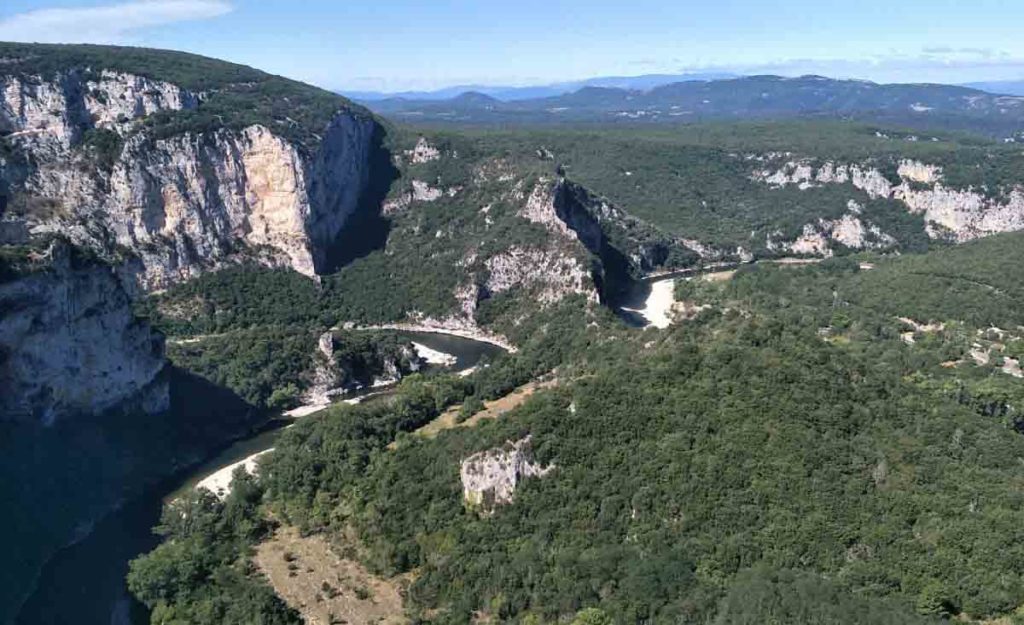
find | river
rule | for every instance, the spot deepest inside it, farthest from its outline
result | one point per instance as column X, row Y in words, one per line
column 648, row 302
column 85, row 583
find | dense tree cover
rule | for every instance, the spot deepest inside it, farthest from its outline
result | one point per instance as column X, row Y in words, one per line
column 234, row 299
column 761, row 595
column 694, row 180
column 364, row 356
column 270, row 366
column 267, row 367
column 234, row 96
column 733, row 443
column 785, row 457
column 977, row 283
column 201, row 574
column 680, row 468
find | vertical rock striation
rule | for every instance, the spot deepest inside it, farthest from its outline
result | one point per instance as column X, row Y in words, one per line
column 182, row 204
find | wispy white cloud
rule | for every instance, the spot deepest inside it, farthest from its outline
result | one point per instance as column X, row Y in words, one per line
column 112, row 23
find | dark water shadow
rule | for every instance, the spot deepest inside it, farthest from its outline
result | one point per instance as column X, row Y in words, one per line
column 85, row 582
column 633, row 296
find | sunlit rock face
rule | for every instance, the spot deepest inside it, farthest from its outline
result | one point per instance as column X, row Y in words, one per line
column 490, row 478
column 956, row 214
column 82, row 163
column 184, row 204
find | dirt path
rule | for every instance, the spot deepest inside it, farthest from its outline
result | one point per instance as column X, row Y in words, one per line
column 307, row 573
column 492, row 410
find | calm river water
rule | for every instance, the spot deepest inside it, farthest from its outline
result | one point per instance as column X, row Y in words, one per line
column 85, row 583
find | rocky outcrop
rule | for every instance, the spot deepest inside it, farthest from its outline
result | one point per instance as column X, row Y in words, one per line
column 490, row 478
column 420, row 191
column 185, row 204
column 337, row 370
column 49, row 115
column 625, row 248
column 70, row 345
column 820, row 237
column 956, row 214
column 422, row 152
column 550, row 274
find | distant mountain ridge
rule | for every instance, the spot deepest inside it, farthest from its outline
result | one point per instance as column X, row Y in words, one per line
column 510, row 93
column 1007, row 87
column 749, row 97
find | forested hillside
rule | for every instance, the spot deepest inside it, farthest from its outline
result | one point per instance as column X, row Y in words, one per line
column 506, row 210
column 233, row 96
column 828, row 430
column 792, row 444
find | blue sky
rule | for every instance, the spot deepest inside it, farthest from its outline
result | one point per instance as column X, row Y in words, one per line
column 405, row 44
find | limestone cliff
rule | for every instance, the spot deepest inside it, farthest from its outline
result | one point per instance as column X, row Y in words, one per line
column 351, row 361
column 820, row 237
column 950, row 213
column 626, row 248
column 49, row 115
column 173, row 206
column 490, row 478
column 69, row 344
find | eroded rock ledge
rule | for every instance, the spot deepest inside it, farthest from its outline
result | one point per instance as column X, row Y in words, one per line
column 956, row 214
column 490, row 477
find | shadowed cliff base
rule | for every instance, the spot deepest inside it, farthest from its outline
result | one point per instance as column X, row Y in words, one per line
column 61, row 485
column 366, row 229
column 614, row 272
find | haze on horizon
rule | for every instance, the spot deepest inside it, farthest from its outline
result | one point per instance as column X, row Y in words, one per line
column 398, row 45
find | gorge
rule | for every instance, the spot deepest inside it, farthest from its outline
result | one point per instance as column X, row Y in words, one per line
column 190, row 249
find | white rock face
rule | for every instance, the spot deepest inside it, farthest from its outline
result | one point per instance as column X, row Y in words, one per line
column 849, row 230
column 919, row 172
column 53, row 112
column 959, row 214
column 553, row 273
column 421, row 192
column 423, row 152
column 540, row 209
column 70, row 345
column 188, row 203
column 811, row 241
column 490, row 478
column 117, row 98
